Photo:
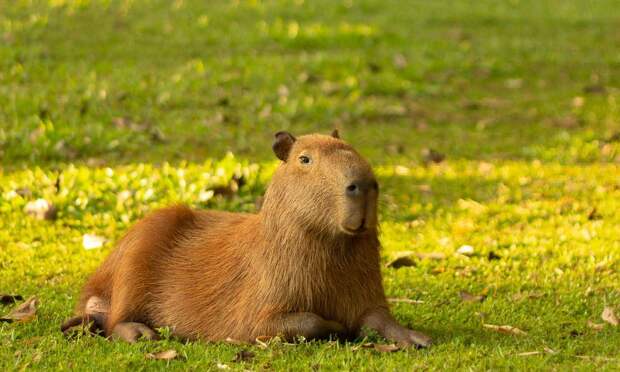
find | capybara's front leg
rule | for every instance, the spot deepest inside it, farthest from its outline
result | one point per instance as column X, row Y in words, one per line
column 132, row 332
column 380, row 320
column 308, row 325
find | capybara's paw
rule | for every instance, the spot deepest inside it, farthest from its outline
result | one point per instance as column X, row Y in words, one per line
column 81, row 324
column 414, row 338
column 132, row 332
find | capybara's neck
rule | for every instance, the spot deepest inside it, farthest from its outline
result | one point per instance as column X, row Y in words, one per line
column 291, row 238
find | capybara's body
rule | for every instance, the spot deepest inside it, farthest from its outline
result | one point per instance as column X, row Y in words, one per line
column 306, row 265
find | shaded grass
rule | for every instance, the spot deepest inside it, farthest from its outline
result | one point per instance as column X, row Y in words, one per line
column 132, row 100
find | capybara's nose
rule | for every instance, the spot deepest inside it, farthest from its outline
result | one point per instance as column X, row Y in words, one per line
column 360, row 187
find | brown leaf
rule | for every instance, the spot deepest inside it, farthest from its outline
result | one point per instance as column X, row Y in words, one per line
column 382, row 348
column 595, row 326
column 529, row 353
column 593, row 215
column 404, row 300
column 493, row 256
column 163, row 355
column 609, row 316
column 468, row 297
column 432, row 156
column 594, row 89
column 6, row 299
column 41, row 209
column 404, row 261
column 505, row 329
column 22, row 313
column 243, row 356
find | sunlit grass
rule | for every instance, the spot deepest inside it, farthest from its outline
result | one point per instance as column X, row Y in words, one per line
column 110, row 109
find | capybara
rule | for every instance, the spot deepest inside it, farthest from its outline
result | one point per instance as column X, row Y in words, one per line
column 306, row 265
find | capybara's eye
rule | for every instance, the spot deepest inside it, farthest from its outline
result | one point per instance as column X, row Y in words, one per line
column 305, row 160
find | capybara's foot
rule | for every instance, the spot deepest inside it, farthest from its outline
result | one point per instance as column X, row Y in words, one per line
column 85, row 323
column 414, row 338
column 310, row 326
column 132, row 332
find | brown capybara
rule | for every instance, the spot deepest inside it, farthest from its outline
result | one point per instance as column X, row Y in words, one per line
column 306, row 265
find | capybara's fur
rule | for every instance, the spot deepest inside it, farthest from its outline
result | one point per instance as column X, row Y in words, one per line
column 306, row 265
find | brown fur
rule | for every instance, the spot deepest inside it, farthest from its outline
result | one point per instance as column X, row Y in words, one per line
column 307, row 264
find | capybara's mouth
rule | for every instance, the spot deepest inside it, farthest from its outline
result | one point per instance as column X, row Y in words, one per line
column 360, row 230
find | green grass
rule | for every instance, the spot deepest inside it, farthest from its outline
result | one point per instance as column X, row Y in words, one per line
column 148, row 96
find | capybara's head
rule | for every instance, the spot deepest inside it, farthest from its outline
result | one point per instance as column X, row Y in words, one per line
column 323, row 185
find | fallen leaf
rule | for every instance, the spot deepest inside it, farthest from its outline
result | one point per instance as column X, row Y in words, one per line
column 243, row 356
column 594, row 89
column 493, row 256
column 222, row 366
column 609, row 316
column 163, row 355
column 22, row 313
column 399, row 60
column 466, row 250
column 6, row 299
column 529, row 353
column 404, row 300
column 91, row 241
column 41, row 209
column 263, row 341
column 404, row 261
column 505, row 329
column 595, row 326
column 382, row 348
column 593, row 215
column 432, row 156
column 468, row 297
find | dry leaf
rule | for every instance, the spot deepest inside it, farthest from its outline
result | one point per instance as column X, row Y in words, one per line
column 243, row 356
column 595, row 326
column 468, row 297
column 22, row 313
column 382, row 348
column 222, row 366
column 529, row 353
column 262, row 341
column 609, row 316
column 163, row 355
column 505, row 329
column 41, row 209
column 432, row 156
column 91, row 241
column 404, row 300
column 493, row 256
column 404, row 261
column 466, row 250
column 6, row 299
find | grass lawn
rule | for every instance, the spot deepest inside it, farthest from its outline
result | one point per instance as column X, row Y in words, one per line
column 110, row 109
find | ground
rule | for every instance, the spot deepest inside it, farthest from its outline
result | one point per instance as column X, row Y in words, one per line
column 132, row 105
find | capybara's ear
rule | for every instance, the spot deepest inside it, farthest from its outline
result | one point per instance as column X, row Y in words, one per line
column 335, row 133
column 282, row 145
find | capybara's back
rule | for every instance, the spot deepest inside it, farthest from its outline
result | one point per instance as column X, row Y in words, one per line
column 306, row 265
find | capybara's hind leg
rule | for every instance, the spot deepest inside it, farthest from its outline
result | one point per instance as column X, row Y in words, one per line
column 132, row 332
column 93, row 318
column 308, row 325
